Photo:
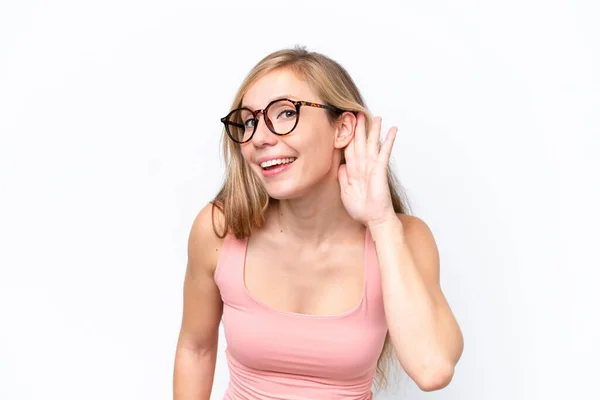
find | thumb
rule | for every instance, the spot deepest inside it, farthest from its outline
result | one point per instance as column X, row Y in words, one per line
column 343, row 176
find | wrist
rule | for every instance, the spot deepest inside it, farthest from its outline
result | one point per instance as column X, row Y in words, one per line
column 389, row 219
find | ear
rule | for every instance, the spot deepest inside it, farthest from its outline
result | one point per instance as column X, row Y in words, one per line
column 346, row 127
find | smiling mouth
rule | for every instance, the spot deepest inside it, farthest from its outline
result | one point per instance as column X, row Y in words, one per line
column 271, row 165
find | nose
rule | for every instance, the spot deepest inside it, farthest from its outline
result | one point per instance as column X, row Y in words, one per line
column 263, row 136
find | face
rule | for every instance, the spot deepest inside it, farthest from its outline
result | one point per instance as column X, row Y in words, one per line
column 305, row 158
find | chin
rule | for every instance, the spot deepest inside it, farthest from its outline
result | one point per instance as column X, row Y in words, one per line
column 291, row 184
column 282, row 193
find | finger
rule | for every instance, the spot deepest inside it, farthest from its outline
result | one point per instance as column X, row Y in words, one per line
column 374, row 136
column 386, row 148
column 343, row 177
column 360, row 137
column 350, row 156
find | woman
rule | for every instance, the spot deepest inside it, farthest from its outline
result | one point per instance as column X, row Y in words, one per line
column 307, row 253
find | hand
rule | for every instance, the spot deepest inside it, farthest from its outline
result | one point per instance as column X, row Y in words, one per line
column 363, row 179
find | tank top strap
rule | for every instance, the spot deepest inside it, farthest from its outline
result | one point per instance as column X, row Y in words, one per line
column 371, row 263
column 373, row 294
column 229, row 272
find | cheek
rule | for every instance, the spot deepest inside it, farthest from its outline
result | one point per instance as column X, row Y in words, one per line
column 318, row 153
column 247, row 154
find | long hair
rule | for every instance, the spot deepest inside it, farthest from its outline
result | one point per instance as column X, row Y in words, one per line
column 243, row 200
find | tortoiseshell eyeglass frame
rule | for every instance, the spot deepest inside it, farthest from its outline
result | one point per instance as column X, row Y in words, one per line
column 297, row 104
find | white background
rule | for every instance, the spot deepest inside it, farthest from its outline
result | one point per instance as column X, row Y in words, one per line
column 109, row 146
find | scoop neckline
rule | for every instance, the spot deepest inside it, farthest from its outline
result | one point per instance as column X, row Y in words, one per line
column 353, row 310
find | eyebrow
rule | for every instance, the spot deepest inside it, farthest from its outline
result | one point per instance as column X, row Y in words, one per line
column 281, row 96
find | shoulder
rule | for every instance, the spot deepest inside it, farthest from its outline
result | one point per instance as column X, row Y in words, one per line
column 422, row 244
column 415, row 227
column 204, row 243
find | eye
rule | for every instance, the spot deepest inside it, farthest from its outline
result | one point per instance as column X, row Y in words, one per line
column 288, row 114
column 248, row 122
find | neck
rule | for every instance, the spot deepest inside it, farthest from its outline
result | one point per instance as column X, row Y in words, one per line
column 316, row 218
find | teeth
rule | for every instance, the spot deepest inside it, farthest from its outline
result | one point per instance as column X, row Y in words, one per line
column 277, row 161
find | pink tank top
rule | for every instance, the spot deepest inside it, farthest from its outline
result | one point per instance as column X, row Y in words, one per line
column 279, row 355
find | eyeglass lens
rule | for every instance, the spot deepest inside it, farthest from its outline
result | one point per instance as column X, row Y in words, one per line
column 281, row 117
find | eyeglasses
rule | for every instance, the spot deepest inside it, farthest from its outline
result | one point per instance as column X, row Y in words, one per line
column 281, row 117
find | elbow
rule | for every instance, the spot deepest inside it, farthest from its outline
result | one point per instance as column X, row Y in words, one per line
column 438, row 373
column 197, row 345
column 435, row 377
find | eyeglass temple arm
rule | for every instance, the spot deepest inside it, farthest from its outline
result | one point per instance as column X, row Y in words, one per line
column 308, row 103
column 224, row 120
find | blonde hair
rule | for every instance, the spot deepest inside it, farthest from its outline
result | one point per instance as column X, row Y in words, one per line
column 243, row 200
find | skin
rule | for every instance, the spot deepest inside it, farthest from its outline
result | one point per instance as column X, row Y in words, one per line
column 312, row 240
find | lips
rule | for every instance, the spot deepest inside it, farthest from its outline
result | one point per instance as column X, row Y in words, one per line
column 278, row 161
column 272, row 161
column 277, row 168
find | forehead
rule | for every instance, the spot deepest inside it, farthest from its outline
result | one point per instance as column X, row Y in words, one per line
column 277, row 84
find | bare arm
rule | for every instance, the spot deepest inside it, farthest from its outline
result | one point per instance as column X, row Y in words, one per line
column 425, row 334
column 196, row 351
